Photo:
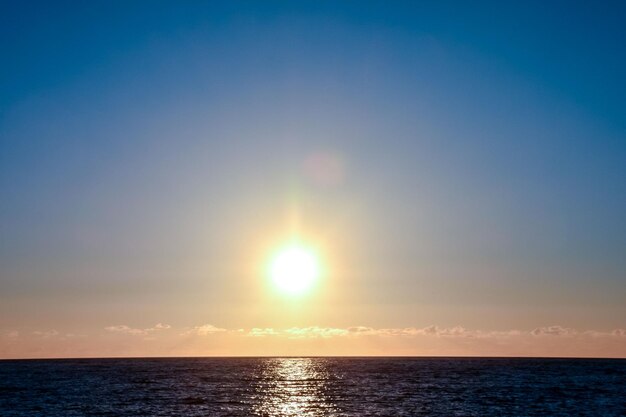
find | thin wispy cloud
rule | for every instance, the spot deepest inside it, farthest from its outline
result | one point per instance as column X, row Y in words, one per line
column 314, row 331
column 46, row 333
column 554, row 331
column 428, row 331
column 259, row 332
column 203, row 330
column 213, row 339
column 11, row 335
column 125, row 329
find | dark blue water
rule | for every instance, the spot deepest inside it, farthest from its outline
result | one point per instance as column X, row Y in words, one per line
column 313, row 387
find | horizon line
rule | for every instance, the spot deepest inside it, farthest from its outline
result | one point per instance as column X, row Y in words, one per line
column 312, row 357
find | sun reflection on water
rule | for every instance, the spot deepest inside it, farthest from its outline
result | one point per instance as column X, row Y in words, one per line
column 294, row 387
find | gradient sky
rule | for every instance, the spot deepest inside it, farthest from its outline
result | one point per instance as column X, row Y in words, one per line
column 461, row 169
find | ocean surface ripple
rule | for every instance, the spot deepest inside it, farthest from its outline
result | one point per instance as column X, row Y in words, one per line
column 313, row 387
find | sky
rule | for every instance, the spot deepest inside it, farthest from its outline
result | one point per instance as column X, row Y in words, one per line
column 458, row 168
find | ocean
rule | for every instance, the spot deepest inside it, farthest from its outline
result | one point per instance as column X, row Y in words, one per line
column 313, row 387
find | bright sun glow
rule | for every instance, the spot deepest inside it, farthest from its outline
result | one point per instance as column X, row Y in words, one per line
column 294, row 270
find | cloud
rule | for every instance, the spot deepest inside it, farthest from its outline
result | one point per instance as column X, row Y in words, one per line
column 431, row 330
column 428, row 331
column 311, row 332
column 12, row 335
column 46, row 334
column 124, row 329
column 362, row 331
column 553, row 331
column 208, row 339
column 258, row 332
column 314, row 331
column 203, row 330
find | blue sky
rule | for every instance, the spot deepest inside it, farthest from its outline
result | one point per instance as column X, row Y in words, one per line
column 147, row 152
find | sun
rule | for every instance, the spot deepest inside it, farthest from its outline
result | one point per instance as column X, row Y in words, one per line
column 294, row 269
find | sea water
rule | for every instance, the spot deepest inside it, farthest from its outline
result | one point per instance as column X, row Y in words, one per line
column 313, row 387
